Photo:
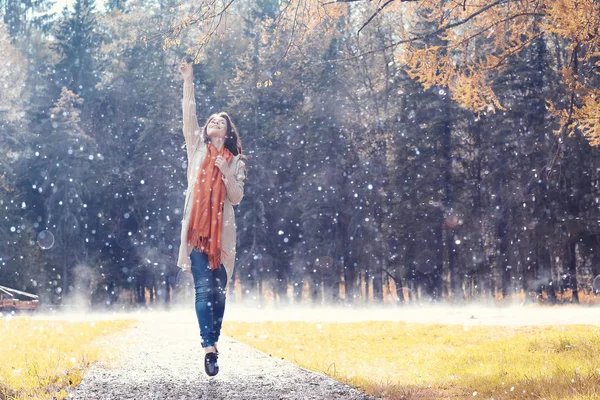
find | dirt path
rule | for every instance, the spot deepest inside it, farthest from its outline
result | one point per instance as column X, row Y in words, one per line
column 162, row 359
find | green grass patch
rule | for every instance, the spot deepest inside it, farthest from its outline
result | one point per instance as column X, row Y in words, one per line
column 397, row 360
column 40, row 359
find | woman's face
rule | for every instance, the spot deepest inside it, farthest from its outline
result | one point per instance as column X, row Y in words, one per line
column 217, row 127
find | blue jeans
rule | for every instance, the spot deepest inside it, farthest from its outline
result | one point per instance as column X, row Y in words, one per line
column 210, row 297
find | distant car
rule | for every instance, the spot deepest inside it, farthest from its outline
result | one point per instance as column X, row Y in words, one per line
column 12, row 300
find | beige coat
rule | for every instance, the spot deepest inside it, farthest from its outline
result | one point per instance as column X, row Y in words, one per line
column 234, row 184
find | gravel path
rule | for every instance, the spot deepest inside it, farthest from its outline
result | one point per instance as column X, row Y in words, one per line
column 161, row 358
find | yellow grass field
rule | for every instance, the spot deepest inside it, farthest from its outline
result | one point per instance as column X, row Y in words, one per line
column 397, row 360
column 393, row 360
column 39, row 359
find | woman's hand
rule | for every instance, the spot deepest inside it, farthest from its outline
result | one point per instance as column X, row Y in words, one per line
column 221, row 163
column 186, row 70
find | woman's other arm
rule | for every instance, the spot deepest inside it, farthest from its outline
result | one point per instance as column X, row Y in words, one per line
column 234, row 183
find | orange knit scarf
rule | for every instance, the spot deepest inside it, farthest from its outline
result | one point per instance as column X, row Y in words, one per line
column 206, row 220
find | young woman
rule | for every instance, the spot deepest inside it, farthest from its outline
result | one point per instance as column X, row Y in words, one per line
column 215, row 183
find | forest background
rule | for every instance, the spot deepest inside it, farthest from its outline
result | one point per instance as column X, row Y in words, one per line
column 400, row 151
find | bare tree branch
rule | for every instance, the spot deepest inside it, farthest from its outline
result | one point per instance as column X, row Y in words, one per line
column 174, row 30
column 291, row 36
column 425, row 36
column 374, row 14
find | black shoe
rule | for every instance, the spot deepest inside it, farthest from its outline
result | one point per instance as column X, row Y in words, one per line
column 210, row 364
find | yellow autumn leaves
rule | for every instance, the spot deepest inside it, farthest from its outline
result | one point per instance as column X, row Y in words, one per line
column 463, row 46
column 268, row 82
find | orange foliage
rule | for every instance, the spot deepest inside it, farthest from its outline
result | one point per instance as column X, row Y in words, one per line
column 460, row 45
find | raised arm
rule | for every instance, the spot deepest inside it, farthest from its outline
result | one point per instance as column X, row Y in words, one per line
column 191, row 130
column 234, row 183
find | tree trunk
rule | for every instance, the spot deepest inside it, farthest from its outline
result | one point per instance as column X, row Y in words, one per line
column 448, row 221
column 503, row 261
column 331, row 287
column 349, row 281
column 315, row 289
column 377, row 282
column 167, row 290
column 572, row 268
column 297, row 293
column 281, row 286
column 399, row 290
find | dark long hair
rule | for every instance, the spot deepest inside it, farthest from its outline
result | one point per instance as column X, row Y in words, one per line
column 232, row 138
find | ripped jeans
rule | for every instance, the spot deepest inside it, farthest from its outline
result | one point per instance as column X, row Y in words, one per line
column 210, row 297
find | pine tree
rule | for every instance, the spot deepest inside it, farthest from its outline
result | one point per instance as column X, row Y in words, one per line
column 78, row 38
column 63, row 160
column 23, row 17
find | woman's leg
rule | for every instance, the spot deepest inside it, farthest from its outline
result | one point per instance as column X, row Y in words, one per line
column 203, row 283
column 219, row 297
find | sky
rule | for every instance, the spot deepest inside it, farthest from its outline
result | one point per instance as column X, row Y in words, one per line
column 60, row 4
